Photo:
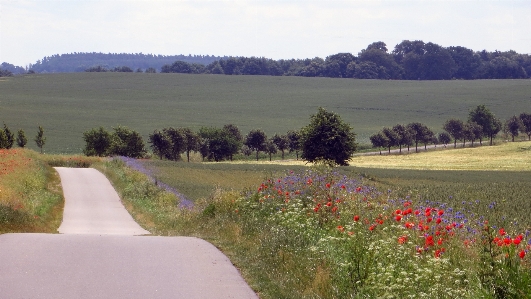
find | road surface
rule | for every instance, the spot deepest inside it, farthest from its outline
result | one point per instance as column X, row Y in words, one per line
column 97, row 255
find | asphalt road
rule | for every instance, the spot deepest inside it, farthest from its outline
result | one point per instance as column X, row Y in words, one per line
column 97, row 256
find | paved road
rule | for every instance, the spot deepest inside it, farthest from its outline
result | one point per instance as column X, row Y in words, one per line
column 97, row 256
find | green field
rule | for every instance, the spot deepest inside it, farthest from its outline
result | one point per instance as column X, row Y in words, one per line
column 66, row 105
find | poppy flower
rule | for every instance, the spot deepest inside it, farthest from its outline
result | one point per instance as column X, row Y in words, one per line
column 521, row 254
column 356, row 218
column 516, row 241
column 398, row 218
column 440, row 212
column 502, row 232
column 402, row 239
column 340, row 228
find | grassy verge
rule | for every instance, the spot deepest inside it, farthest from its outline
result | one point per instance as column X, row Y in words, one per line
column 30, row 193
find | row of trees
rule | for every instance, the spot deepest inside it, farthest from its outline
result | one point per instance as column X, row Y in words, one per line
column 481, row 123
column 7, row 138
column 410, row 60
column 327, row 138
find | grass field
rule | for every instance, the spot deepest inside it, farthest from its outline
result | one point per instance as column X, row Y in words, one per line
column 66, row 105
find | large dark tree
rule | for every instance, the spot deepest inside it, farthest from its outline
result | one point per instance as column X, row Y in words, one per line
column 177, row 143
column 191, row 141
column 217, row 144
column 294, row 144
column 127, row 142
column 404, row 136
column 379, row 140
column 455, row 128
column 256, row 141
column 419, row 133
column 160, row 143
column 525, row 118
column 514, row 126
column 483, row 117
column 97, row 142
column 444, row 138
column 10, row 137
column 236, row 141
column 392, row 138
column 21, row 138
column 328, row 139
column 281, row 142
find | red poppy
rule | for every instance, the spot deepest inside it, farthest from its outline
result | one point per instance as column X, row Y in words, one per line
column 398, row 212
column 440, row 212
column 372, row 227
column 502, row 232
column 327, row 185
column 398, row 218
column 516, row 241
column 429, row 241
column 507, row 241
column 340, row 228
column 429, row 219
column 356, row 218
column 521, row 254
column 402, row 239
column 438, row 220
column 417, row 212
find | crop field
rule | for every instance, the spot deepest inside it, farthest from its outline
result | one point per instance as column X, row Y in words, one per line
column 66, row 105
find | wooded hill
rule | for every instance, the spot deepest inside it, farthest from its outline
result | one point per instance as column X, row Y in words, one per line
column 410, row 60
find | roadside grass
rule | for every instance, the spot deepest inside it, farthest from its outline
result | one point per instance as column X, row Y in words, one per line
column 30, row 193
column 145, row 102
column 286, row 249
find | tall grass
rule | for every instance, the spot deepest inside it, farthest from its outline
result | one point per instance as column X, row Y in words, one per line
column 30, row 193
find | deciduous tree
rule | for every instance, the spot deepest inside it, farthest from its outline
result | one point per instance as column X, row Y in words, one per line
column 21, row 138
column 328, row 139
column 454, row 127
column 97, row 142
column 40, row 140
column 256, row 141
column 525, row 118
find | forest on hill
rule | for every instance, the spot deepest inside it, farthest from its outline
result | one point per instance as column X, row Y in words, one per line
column 409, row 60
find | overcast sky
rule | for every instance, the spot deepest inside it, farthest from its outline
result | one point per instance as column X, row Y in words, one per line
column 30, row 30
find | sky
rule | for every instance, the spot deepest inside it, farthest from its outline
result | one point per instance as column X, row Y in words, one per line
column 31, row 30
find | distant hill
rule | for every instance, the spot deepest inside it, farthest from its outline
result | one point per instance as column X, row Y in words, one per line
column 79, row 62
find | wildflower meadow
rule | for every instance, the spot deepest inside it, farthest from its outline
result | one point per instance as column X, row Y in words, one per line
column 375, row 245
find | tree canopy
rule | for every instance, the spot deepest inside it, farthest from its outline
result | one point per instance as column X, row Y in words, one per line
column 328, row 139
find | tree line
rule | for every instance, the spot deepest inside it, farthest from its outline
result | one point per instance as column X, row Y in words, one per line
column 7, row 138
column 327, row 138
column 409, row 60
column 481, row 123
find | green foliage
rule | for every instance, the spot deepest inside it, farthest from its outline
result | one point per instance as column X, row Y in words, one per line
column 10, row 137
column 419, row 133
column 126, row 142
column 328, row 139
column 455, row 128
column 379, row 140
column 40, row 140
column 160, row 143
column 98, row 142
column 514, row 125
column 486, row 119
column 444, row 138
column 281, row 142
column 21, row 138
column 3, row 139
column 218, row 144
column 294, row 144
column 256, row 141
column 525, row 118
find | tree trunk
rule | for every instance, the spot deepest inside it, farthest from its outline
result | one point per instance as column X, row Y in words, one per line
column 256, row 155
column 400, row 145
